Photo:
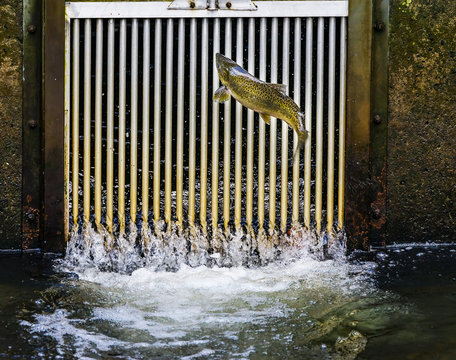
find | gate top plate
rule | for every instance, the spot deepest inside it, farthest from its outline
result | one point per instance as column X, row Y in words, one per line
column 212, row 5
column 234, row 8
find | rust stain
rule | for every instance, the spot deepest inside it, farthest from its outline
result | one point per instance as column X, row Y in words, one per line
column 30, row 226
column 379, row 202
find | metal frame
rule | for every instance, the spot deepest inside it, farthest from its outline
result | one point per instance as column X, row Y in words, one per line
column 357, row 203
column 357, row 184
column 379, row 128
column 54, row 185
column 160, row 9
column 32, row 125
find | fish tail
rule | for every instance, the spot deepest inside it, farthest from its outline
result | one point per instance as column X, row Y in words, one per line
column 302, row 136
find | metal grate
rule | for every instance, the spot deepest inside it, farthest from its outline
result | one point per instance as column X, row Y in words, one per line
column 145, row 142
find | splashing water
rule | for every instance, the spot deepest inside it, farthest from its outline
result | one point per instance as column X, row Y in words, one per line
column 187, row 296
column 208, row 312
column 298, row 307
column 169, row 250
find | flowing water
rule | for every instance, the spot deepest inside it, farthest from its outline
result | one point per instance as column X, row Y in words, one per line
column 397, row 303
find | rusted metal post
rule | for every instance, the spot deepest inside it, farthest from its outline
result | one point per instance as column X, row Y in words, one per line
column 54, row 84
column 32, row 125
column 379, row 127
column 357, row 193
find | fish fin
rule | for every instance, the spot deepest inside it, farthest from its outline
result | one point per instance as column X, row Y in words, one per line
column 280, row 87
column 302, row 137
column 301, row 118
column 266, row 118
column 222, row 94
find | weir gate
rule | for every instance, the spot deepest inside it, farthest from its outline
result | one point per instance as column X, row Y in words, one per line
column 145, row 144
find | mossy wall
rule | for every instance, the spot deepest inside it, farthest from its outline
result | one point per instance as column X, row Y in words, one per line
column 10, row 122
column 422, row 121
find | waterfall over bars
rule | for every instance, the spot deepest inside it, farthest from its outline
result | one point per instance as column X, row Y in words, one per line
column 146, row 147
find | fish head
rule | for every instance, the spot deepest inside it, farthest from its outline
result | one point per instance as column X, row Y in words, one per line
column 224, row 67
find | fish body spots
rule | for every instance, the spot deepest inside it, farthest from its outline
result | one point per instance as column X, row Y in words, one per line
column 258, row 95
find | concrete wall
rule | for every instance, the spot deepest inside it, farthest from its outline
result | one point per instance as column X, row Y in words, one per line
column 422, row 121
column 10, row 122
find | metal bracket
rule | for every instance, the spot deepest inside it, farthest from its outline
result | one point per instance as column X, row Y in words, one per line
column 213, row 5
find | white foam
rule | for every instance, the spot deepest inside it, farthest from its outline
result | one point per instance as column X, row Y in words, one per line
column 195, row 310
column 169, row 250
column 59, row 325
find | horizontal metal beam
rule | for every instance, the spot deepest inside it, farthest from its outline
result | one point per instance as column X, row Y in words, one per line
column 113, row 10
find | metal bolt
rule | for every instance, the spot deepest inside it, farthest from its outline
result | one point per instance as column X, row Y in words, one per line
column 379, row 26
column 192, row 4
column 228, row 5
column 376, row 213
column 377, row 119
column 31, row 217
column 32, row 124
column 31, row 29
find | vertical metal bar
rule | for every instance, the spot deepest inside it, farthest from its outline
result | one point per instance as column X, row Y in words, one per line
column 192, row 128
column 122, row 120
column 67, row 125
column 297, row 99
column 359, row 81
column 75, row 123
column 134, row 122
column 284, row 171
column 157, row 117
column 180, row 124
column 215, row 129
column 110, row 128
column 87, row 117
column 319, row 134
column 168, row 119
column 308, row 121
column 145, row 122
column 262, row 130
column 250, row 119
column 342, row 100
column 98, row 118
column 238, row 136
column 53, row 126
column 331, row 123
column 204, row 97
column 379, row 135
column 32, row 204
column 227, row 137
column 273, row 129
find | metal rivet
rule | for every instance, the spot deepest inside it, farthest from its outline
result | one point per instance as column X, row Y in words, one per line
column 31, row 29
column 379, row 26
column 376, row 213
column 228, row 5
column 192, row 4
column 32, row 124
column 377, row 119
column 31, row 217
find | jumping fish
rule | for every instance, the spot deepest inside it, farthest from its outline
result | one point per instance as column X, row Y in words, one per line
column 266, row 99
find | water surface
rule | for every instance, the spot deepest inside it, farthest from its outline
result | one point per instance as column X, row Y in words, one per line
column 397, row 303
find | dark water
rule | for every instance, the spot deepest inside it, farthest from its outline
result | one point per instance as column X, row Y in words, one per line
column 398, row 303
